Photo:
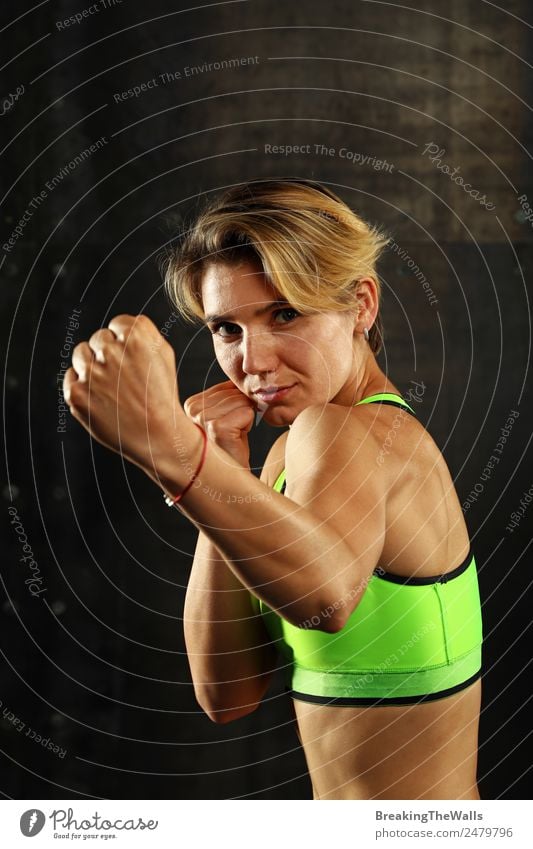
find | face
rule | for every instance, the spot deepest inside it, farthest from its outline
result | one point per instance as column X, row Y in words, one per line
column 282, row 360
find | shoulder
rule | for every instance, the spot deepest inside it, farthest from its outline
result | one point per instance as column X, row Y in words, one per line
column 330, row 426
column 337, row 440
column 331, row 445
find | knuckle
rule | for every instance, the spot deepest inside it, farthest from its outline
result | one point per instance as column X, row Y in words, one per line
column 101, row 336
column 76, row 393
column 143, row 326
column 127, row 334
column 194, row 404
column 120, row 325
column 212, row 428
column 198, row 418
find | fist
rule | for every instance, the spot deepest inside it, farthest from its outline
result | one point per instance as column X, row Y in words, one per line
column 227, row 415
column 122, row 388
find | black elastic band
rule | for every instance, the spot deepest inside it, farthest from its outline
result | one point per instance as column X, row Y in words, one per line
column 431, row 579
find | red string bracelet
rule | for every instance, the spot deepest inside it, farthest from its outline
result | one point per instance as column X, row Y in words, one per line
column 169, row 501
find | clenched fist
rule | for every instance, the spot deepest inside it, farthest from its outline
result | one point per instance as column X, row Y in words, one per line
column 122, row 388
column 227, row 416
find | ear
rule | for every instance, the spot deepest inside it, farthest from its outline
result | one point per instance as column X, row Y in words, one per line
column 367, row 303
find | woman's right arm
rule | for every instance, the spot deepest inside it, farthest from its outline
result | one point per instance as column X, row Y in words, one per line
column 230, row 654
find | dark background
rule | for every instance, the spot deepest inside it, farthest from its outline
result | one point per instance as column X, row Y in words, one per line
column 96, row 661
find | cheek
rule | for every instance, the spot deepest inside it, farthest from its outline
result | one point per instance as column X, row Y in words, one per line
column 328, row 357
column 328, row 348
column 227, row 357
column 338, row 343
column 295, row 350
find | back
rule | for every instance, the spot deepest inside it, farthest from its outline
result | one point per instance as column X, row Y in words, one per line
column 425, row 529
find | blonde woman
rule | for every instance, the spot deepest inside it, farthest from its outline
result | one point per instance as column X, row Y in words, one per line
column 349, row 558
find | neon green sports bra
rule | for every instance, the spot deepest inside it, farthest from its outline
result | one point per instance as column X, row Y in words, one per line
column 408, row 640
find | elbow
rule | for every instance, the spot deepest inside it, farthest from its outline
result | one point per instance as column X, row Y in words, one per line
column 331, row 624
column 223, row 716
column 331, row 618
column 221, row 709
column 336, row 611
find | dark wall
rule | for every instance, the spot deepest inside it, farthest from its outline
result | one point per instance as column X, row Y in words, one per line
column 94, row 661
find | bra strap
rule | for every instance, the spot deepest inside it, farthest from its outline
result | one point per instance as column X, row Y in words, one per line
column 387, row 398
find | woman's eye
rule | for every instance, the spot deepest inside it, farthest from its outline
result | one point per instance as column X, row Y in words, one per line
column 226, row 329
column 284, row 312
column 233, row 328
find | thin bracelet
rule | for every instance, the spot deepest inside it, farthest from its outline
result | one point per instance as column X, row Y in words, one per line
column 169, row 501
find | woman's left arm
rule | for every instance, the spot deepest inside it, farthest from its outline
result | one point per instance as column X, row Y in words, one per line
column 308, row 555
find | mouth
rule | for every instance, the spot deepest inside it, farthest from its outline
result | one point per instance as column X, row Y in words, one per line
column 271, row 394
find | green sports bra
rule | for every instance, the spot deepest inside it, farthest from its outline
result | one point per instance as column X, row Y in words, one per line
column 408, row 640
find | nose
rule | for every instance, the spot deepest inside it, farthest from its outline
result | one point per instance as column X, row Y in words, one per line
column 258, row 353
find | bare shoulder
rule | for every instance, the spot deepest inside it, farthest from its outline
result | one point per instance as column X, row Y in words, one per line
column 330, row 426
column 380, row 436
column 398, row 433
column 332, row 444
column 275, row 460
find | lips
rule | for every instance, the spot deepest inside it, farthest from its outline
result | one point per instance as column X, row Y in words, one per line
column 271, row 394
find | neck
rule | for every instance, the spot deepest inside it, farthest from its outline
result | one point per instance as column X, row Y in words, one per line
column 366, row 379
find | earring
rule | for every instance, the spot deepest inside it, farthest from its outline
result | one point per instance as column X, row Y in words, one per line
column 365, row 334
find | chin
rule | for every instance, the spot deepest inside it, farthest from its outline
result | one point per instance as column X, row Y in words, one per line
column 279, row 416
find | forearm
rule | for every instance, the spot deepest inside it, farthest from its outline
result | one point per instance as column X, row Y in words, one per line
column 231, row 663
column 275, row 547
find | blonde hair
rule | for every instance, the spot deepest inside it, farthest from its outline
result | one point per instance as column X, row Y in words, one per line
column 311, row 246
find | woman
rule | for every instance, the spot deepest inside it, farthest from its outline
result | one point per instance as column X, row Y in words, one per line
column 349, row 556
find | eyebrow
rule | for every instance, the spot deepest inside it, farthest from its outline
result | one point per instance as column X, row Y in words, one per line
column 211, row 318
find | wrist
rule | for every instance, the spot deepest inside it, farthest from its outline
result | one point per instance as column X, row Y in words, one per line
column 175, row 456
column 172, row 500
column 236, row 452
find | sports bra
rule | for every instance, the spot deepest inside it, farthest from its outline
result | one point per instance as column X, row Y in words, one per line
column 408, row 640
